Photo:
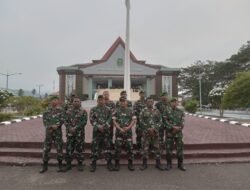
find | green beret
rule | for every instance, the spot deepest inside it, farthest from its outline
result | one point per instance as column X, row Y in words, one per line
column 164, row 94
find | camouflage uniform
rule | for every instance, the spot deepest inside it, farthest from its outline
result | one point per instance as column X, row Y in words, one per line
column 162, row 106
column 111, row 105
column 174, row 117
column 150, row 119
column 76, row 118
column 101, row 115
column 138, row 107
column 53, row 116
column 123, row 117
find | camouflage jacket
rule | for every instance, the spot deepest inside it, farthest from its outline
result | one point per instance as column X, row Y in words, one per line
column 53, row 116
column 100, row 115
column 162, row 106
column 173, row 117
column 111, row 105
column 138, row 107
column 76, row 118
column 150, row 119
column 123, row 117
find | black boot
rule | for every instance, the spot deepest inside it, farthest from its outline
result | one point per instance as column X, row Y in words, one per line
column 44, row 167
column 158, row 165
column 109, row 165
column 144, row 164
column 180, row 165
column 169, row 165
column 117, row 165
column 93, row 166
column 130, row 165
column 60, row 166
column 80, row 167
column 68, row 166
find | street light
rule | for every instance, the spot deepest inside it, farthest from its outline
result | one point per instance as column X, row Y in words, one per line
column 39, row 87
column 7, row 78
column 200, row 77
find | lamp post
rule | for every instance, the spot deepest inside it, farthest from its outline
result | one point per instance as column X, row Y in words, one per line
column 39, row 89
column 7, row 78
column 200, row 77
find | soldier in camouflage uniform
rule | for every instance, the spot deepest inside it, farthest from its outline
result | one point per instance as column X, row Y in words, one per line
column 123, row 121
column 75, row 120
column 100, row 118
column 53, row 120
column 162, row 105
column 69, row 102
column 150, row 120
column 124, row 95
column 173, row 119
column 111, row 105
column 138, row 107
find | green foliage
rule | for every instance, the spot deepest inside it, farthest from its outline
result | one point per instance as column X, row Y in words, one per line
column 5, row 117
column 238, row 93
column 4, row 96
column 191, row 106
column 24, row 104
column 20, row 92
column 33, row 92
column 35, row 110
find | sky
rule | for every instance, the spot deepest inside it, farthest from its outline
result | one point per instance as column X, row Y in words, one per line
column 37, row 36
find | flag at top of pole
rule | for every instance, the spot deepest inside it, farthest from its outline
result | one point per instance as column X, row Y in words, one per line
column 127, row 80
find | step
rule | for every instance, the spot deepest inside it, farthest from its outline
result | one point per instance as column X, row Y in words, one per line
column 87, row 145
column 188, row 154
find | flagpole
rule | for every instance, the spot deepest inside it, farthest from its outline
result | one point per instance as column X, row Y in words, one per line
column 127, row 80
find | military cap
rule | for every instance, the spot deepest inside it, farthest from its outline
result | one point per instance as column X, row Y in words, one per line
column 173, row 99
column 123, row 92
column 142, row 92
column 164, row 94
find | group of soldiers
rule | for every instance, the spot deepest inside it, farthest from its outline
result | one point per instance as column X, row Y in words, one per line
column 157, row 127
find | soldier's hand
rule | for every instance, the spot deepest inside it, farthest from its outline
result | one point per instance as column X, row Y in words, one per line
column 122, row 130
column 50, row 130
column 72, row 130
column 126, row 129
column 54, row 127
column 101, row 128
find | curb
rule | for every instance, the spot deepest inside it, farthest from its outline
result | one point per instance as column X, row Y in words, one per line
column 219, row 120
column 20, row 120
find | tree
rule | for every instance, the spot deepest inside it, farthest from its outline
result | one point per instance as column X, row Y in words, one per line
column 4, row 96
column 216, row 95
column 20, row 92
column 238, row 93
column 33, row 92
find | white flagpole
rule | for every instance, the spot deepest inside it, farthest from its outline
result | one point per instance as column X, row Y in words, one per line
column 127, row 80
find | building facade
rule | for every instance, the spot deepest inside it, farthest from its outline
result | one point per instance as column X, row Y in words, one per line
column 108, row 73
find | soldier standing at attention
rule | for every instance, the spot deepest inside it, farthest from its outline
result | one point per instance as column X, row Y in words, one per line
column 162, row 105
column 100, row 118
column 75, row 121
column 173, row 119
column 150, row 120
column 138, row 107
column 53, row 120
column 124, row 95
column 123, row 120
column 111, row 105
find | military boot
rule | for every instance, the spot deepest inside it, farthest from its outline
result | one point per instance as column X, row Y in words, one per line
column 117, row 165
column 130, row 165
column 44, row 167
column 169, row 165
column 158, row 165
column 60, row 166
column 93, row 166
column 180, row 165
column 80, row 167
column 144, row 164
column 109, row 165
column 68, row 166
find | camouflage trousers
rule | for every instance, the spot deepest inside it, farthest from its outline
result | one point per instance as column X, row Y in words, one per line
column 138, row 132
column 170, row 141
column 75, row 143
column 101, row 143
column 127, row 143
column 56, row 138
column 150, row 141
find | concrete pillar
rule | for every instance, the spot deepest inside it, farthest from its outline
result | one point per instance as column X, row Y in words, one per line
column 148, row 86
column 109, row 83
column 62, row 85
column 90, row 87
column 79, row 84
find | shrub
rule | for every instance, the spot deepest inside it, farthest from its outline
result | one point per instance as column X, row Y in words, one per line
column 5, row 116
column 191, row 106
